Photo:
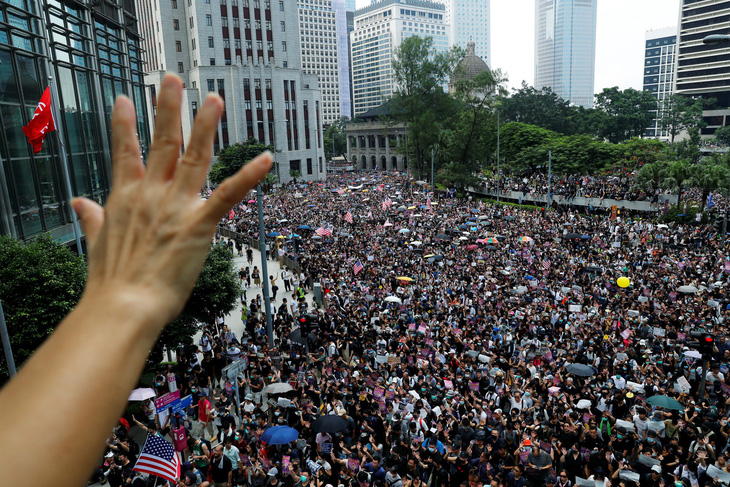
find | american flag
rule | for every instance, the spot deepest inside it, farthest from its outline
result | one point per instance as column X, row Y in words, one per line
column 324, row 231
column 348, row 217
column 546, row 264
column 158, row 458
column 357, row 267
column 380, row 187
column 341, row 191
column 388, row 202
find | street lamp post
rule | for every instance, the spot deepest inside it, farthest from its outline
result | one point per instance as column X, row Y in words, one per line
column 264, row 265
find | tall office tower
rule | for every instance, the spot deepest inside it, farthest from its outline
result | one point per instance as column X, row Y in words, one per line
column 704, row 69
column 92, row 50
column 323, row 34
column 469, row 21
column 565, row 48
column 379, row 30
column 247, row 51
column 659, row 57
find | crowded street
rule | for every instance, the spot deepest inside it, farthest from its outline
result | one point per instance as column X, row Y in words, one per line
column 454, row 343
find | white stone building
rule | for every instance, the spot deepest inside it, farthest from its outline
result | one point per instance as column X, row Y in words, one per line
column 379, row 30
column 247, row 51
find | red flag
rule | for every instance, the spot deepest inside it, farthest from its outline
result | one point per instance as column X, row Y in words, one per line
column 41, row 123
column 231, row 215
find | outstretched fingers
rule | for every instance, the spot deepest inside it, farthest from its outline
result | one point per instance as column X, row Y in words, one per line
column 190, row 174
column 91, row 215
column 126, row 156
column 165, row 148
column 235, row 188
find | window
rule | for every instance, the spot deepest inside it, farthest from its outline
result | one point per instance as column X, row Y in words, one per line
column 236, row 23
column 269, row 105
column 281, row 6
column 224, row 22
column 284, row 64
column 237, row 43
column 212, row 61
column 174, row 4
column 180, row 68
column 178, row 46
column 193, row 43
column 211, row 42
column 249, row 44
column 246, row 84
column 260, row 45
column 226, row 43
column 248, row 104
column 192, row 24
column 258, row 104
column 221, row 85
column 283, row 26
column 258, row 24
column 208, row 20
column 270, row 45
column 283, row 46
column 176, row 24
column 268, row 83
column 211, row 85
column 257, row 83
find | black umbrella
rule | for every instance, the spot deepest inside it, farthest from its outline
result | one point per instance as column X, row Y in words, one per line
column 453, row 230
column 594, row 268
column 417, row 251
column 572, row 236
column 442, row 236
column 580, row 369
column 329, row 423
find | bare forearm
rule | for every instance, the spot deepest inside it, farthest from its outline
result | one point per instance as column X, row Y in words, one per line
column 68, row 374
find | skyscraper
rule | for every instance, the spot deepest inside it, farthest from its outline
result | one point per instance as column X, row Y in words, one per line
column 322, row 31
column 659, row 57
column 702, row 69
column 92, row 50
column 469, row 21
column 379, row 30
column 247, row 51
column 565, row 48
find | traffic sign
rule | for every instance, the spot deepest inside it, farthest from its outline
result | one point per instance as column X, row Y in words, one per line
column 181, row 404
column 232, row 371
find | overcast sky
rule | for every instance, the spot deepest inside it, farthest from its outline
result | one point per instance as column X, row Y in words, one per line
column 620, row 37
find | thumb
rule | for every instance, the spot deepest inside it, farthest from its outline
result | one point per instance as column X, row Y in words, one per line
column 92, row 218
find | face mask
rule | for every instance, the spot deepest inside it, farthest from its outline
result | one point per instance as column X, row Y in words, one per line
column 303, row 478
column 276, row 413
column 619, row 437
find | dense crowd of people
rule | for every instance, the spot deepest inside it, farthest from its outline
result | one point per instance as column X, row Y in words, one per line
column 462, row 344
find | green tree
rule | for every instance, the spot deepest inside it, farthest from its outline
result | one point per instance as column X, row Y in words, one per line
column 419, row 101
column 625, row 113
column 723, row 134
column 233, row 158
column 334, row 138
column 681, row 113
column 40, row 283
column 215, row 293
column 678, row 175
column 651, row 176
column 710, row 178
column 294, row 174
column 524, row 146
column 268, row 182
column 544, row 108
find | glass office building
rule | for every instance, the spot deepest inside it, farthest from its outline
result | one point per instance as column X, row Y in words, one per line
column 94, row 57
column 659, row 57
column 565, row 48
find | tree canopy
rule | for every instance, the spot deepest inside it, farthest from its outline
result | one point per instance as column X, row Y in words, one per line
column 234, row 157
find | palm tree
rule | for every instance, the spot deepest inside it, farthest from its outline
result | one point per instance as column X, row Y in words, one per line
column 651, row 176
column 709, row 178
column 678, row 174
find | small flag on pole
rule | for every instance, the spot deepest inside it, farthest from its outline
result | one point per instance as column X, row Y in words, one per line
column 41, row 123
column 710, row 202
column 357, row 267
column 159, row 458
column 348, row 217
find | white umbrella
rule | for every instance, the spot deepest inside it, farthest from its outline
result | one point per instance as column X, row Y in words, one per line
column 141, row 394
column 393, row 299
column 687, row 289
column 416, row 243
column 692, row 354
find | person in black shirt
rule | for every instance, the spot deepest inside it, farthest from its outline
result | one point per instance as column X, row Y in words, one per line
column 221, row 468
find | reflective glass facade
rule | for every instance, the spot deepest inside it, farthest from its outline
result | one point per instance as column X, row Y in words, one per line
column 565, row 48
column 94, row 56
column 659, row 57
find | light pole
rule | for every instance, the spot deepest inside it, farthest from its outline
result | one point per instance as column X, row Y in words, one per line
column 264, row 265
column 498, row 173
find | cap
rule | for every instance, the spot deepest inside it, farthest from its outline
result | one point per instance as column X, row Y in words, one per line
column 109, row 455
column 273, row 472
column 657, row 469
column 249, row 397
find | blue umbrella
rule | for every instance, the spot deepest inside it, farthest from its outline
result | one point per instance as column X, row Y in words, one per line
column 423, row 207
column 304, row 227
column 474, row 211
column 473, row 219
column 273, row 234
column 294, row 235
column 585, row 237
column 280, row 435
column 311, row 206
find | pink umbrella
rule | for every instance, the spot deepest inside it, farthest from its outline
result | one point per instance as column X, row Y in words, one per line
column 472, row 247
column 252, row 201
column 481, row 241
